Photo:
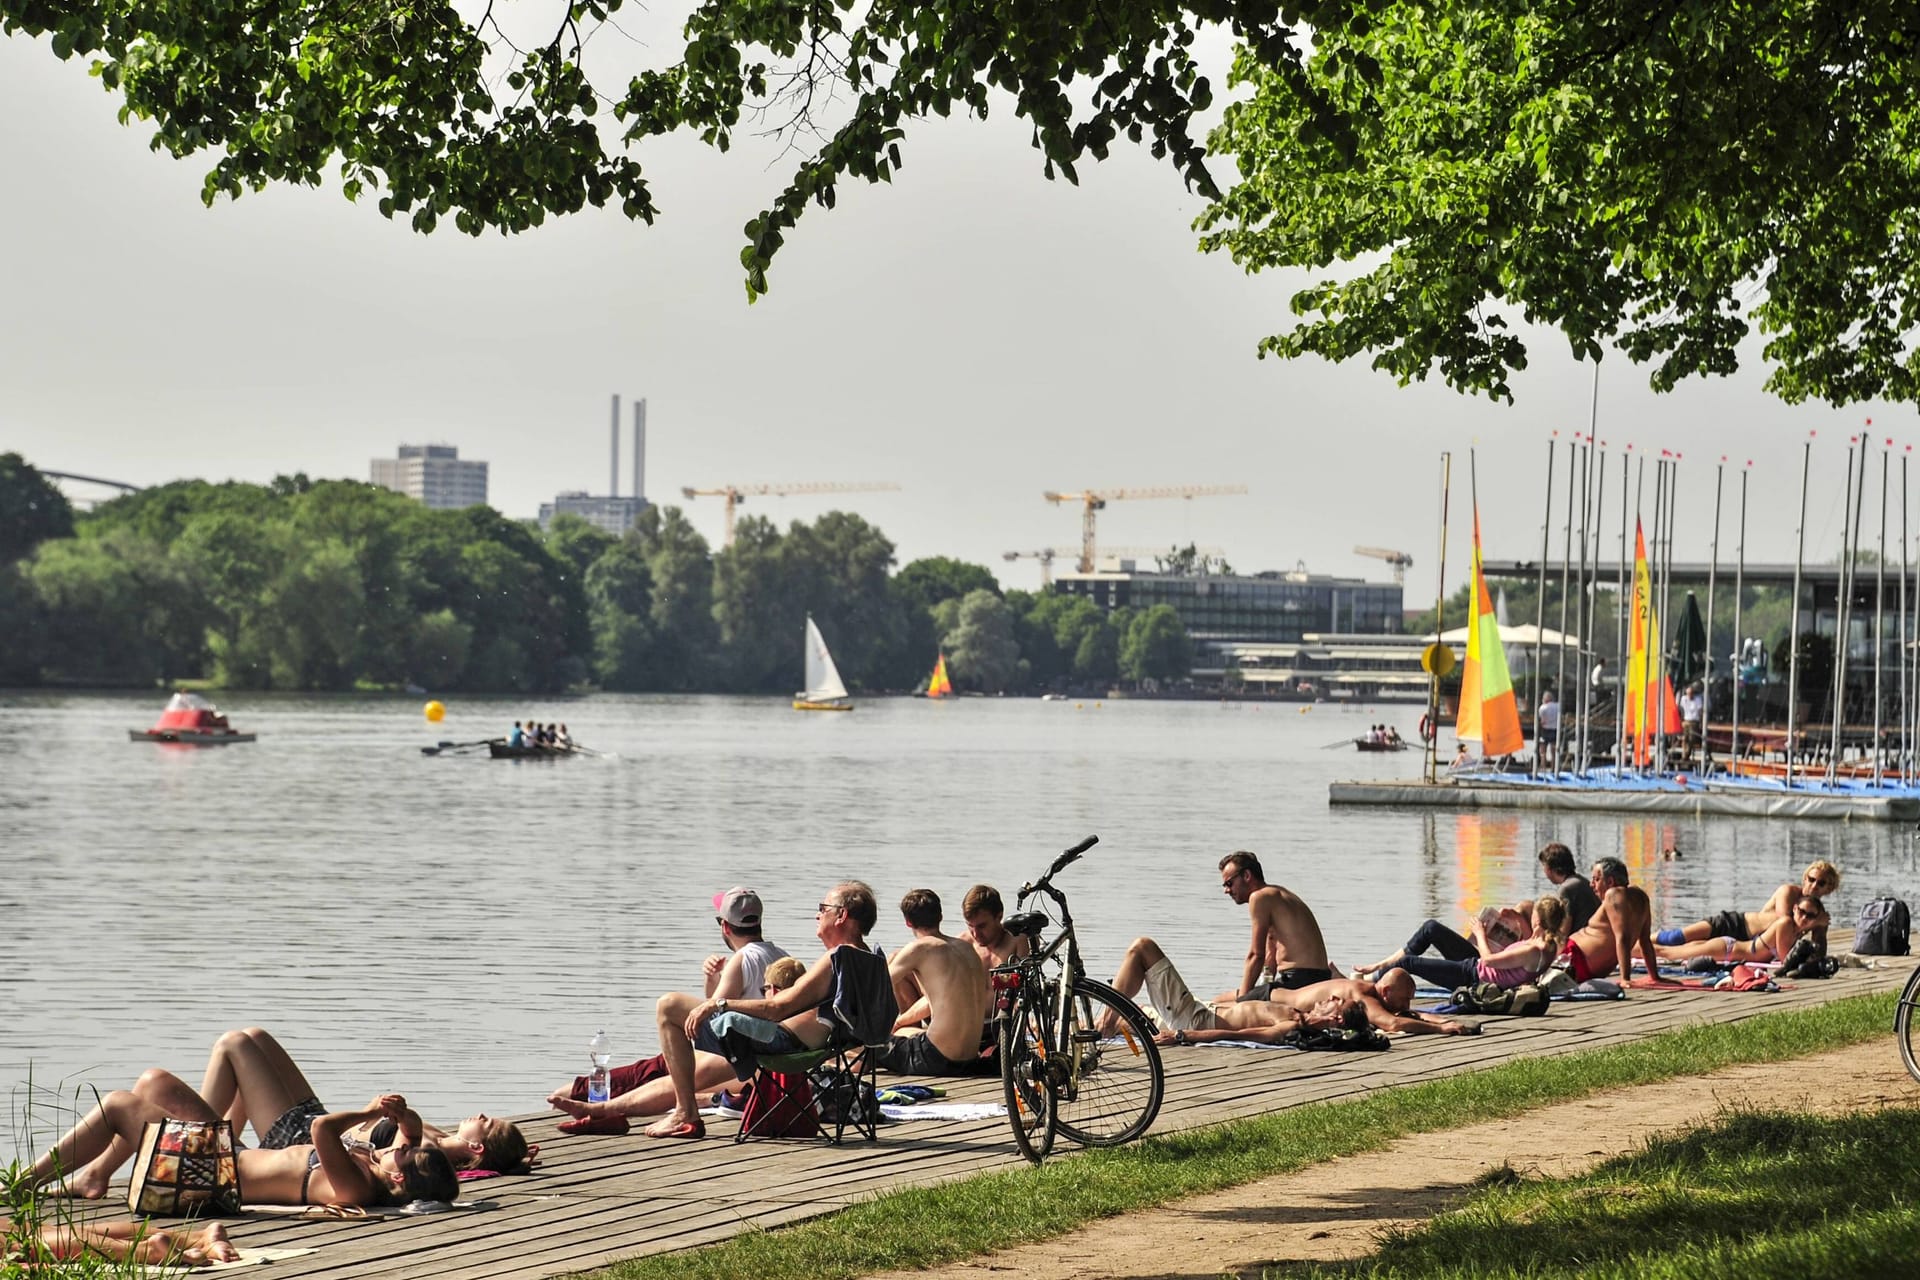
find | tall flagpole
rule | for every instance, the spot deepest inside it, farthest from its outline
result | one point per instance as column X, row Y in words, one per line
column 1880, row 623
column 1439, row 623
column 1713, row 570
column 1566, row 573
column 1540, row 602
column 1793, row 627
column 1739, row 644
column 1591, row 605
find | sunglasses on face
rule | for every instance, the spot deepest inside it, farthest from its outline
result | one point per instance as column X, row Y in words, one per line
column 825, row 907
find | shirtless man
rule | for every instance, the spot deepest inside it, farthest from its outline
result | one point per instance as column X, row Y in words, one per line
column 1624, row 921
column 1326, row 1003
column 642, row 1088
column 1286, row 937
column 938, row 981
column 1772, row 943
column 984, row 912
column 1821, row 879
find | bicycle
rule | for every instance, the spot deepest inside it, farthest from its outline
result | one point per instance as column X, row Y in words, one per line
column 1076, row 1057
column 1906, row 1026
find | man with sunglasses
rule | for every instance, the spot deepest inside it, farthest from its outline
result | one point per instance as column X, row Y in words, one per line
column 742, row 1031
column 1286, row 937
column 1821, row 879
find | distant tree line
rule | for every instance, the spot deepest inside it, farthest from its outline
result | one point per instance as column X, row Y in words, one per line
column 315, row 585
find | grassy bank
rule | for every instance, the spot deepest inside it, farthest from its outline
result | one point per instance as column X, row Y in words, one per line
column 926, row 1226
column 1754, row 1194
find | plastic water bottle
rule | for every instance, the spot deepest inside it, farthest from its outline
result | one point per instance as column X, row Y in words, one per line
column 600, row 1050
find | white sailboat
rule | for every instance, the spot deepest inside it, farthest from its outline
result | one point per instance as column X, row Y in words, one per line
column 824, row 691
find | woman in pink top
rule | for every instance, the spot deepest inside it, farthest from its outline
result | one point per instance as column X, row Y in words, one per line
column 1503, row 966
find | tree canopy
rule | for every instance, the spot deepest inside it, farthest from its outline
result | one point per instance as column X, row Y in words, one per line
column 1666, row 178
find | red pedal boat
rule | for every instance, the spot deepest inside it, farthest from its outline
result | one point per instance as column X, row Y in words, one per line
column 192, row 720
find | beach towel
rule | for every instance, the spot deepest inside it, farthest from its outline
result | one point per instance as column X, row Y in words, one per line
column 253, row 1257
column 944, row 1111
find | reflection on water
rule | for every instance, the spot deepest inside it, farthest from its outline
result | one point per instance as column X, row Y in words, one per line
column 457, row 928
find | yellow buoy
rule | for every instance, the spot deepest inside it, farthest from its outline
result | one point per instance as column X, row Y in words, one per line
column 435, row 711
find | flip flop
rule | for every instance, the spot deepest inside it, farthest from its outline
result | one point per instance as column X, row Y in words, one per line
column 687, row 1129
column 615, row 1125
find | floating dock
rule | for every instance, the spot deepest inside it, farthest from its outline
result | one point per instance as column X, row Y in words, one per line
column 1673, row 794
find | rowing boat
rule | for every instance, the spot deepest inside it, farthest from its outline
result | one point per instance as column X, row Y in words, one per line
column 503, row 751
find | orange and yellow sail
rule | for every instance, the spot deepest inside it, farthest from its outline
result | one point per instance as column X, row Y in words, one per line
column 938, row 686
column 1488, row 713
column 1650, row 706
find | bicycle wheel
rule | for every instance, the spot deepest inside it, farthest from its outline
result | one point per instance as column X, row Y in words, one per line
column 1023, row 1076
column 1110, row 1086
column 1906, row 1024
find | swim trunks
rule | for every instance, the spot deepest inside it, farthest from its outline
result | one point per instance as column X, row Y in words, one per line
column 1288, row 980
column 1728, row 924
column 919, row 1056
column 1576, row 962
column 293, row 1128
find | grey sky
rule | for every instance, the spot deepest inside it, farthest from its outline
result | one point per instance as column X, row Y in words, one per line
column 975, row 333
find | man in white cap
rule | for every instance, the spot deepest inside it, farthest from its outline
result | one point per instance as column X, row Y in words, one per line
column 742, row 972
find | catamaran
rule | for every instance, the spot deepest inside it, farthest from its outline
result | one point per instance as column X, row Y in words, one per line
column 824, row 691
column 938, row 686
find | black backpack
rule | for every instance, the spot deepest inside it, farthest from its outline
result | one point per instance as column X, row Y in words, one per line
column 1882, row 929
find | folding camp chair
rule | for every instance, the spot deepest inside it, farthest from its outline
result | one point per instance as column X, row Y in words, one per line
column 835, row 1083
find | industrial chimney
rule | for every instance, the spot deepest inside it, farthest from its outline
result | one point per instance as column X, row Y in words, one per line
column 640, row 447
column 613, row 470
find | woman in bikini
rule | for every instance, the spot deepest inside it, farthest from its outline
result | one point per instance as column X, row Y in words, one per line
column 331, row 1169
column 250, row 1076
column 1807, row 915
column 1504, row 966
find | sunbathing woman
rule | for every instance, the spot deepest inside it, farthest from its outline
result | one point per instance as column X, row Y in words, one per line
column 1507, row 966
column 1807, row 916
column 1500, row 926
column 1821, row 879
column 129, row 1241
column 331, row 1169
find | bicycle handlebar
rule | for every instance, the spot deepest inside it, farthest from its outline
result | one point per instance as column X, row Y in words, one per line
column 1045, row 883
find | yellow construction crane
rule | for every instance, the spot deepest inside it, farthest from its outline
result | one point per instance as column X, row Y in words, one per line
column 1092, row 500
column 1046, row 555
column 1400, row 560
column 735, row 494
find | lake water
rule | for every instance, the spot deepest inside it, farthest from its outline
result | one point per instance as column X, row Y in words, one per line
column 456, row 927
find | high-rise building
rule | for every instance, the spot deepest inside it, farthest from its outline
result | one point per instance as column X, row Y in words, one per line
column 433, row 474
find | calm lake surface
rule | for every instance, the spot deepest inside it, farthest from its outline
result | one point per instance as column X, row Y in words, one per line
column 456, row 928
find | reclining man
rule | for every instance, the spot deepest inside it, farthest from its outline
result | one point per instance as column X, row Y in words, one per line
column 1624, row 921
column 1286, row 938
column 743, row 1031
column 642, row 1088
column 1821, row 879
column 940, row 983
column 1383, row 1005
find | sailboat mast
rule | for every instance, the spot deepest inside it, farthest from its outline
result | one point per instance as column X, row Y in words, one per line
column 1566, row 574
column 1713, row 569
column 1620, row 622
column 1540, row 598
column 1793, row 627
column 1657, row 658
column 1906, row 640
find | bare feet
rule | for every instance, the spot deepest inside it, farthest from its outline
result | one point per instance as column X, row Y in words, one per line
column 209, row 1244
column 88, row 1184
column 676, row 1125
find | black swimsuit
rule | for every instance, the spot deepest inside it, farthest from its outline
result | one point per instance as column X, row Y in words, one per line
column 313, row 1162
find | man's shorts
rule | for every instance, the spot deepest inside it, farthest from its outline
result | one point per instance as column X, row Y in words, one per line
column 294, row 1128
column 743, row 1041
column 1576, row 961
column 919, row 1056
column 1178, row 1008
column 1728, row 924
column 1288, row 980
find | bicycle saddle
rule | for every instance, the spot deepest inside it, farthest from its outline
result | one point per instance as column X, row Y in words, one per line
column 1028, row 923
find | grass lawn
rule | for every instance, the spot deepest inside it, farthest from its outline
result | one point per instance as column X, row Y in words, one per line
column 1756, row 1194
column 926, row 1226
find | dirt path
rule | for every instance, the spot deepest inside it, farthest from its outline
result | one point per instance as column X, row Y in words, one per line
column 1337, row 1209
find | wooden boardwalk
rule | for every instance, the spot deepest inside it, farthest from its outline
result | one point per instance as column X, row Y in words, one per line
column 595, row 1200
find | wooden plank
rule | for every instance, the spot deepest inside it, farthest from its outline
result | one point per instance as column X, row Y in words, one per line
column 595, row 1200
